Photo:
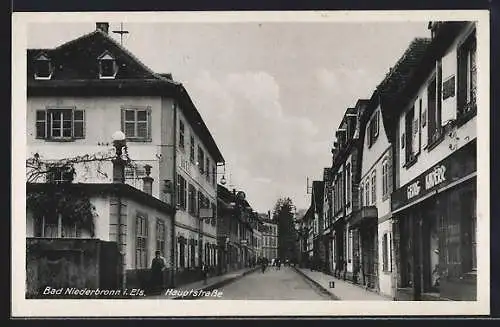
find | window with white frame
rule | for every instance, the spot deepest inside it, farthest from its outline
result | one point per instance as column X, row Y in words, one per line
column 136, row 123
column 160, row 236
column 181, row 192
column 192, row 200
column 191, row 148
column 43, row 67
column 348, row 183
column 467, row 75
column 374, row 187
column 410, row 135
column 434, row 130
column 60, row 175
column 361, row 194
column 201, row 160
column 56, row 226
column 107, row 66
column 181, row 134
column 207, row 168
column 373, row 129
column 385, row 177
column 367, row 191
column 141, row 243
column 60, row 123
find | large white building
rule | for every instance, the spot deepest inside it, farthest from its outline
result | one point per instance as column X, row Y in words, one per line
column 435, row 196
column 269, row 239
column 83, row 91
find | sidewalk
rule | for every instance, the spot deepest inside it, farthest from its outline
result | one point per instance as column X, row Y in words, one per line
column 343, row 290
column 212, row 283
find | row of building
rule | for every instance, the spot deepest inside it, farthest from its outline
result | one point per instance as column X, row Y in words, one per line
column 120, row 165
column 396, row 210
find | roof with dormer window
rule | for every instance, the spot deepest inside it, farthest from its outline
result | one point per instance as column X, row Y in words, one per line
column 76, row 72
column 411, row 70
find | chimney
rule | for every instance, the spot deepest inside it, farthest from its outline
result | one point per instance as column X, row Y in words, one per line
column 147, row 181
column 104, row 27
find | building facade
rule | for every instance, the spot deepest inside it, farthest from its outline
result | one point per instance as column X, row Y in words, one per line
column 81, row 92
column 237, row 222
column 269, row 238
column 434, row 203
column 345, row 170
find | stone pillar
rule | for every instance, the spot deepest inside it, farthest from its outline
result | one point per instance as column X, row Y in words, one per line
column 147, row 181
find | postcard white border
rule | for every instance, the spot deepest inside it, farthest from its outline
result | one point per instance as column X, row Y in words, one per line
column 22, row 307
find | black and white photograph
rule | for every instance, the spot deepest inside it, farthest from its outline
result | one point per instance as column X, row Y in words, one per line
column 299, row 162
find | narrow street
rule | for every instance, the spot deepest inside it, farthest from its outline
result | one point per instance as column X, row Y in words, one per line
column 283, row 284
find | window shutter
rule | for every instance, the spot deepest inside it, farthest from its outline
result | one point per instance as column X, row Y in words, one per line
column 122, row 120
column 416, row 136
column 79, row 124
column 462, row 80
column 368, row 134
column 41, row 124
column 389, row 175
column 148, row 111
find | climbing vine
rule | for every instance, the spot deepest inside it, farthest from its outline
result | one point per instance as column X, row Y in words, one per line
column 63, row 198
column 72, row 203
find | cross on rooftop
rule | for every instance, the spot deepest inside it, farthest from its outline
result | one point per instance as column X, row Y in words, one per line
column 121, row 32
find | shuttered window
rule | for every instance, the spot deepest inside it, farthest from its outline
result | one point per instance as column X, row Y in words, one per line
column 467, row 76
column 60, row 124
column 141, row 244
column 136, row 123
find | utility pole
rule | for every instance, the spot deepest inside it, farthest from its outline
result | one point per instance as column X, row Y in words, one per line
column 121, row 32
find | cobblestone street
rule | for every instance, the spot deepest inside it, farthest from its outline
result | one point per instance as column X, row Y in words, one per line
column 283, row 284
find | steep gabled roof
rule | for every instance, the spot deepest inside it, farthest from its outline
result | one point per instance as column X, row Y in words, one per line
column 75, row 72
column 396, row 80
column 78, row 59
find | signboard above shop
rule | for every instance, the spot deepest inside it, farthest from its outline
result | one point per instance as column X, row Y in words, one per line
column 459, row 164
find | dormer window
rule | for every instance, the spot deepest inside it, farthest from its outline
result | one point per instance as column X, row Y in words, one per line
column 107, row 66
column 43, row 67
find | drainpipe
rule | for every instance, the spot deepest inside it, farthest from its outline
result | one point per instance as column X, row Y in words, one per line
column 173, row 197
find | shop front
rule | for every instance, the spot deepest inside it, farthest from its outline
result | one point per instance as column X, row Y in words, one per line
column 435, row 231
column 327, row 255
column 363, row 237
column 339, row 251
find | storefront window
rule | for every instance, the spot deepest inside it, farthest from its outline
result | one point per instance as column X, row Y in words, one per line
column 406, row 252
column 452, row 235
column 431, row 248
column 474, row 236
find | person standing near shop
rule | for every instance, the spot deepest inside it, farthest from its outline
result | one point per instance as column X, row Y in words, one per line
column 158, row 265
column 204, row 271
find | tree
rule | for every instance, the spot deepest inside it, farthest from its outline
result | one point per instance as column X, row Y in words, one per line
column 283, row 214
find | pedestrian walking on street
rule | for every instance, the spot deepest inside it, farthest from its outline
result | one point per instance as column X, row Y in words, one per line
column 158, row 265
column 204, row 271
column 263, row 265
column 278, row 264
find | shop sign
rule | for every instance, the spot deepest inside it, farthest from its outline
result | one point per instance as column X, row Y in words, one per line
column 454, row 167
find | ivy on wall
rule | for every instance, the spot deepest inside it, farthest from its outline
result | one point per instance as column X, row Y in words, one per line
column 73, row 204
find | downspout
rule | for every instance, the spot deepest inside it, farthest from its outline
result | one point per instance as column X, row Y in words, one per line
column 174, row 198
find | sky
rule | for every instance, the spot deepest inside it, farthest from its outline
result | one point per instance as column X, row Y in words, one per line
column 272, row 94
